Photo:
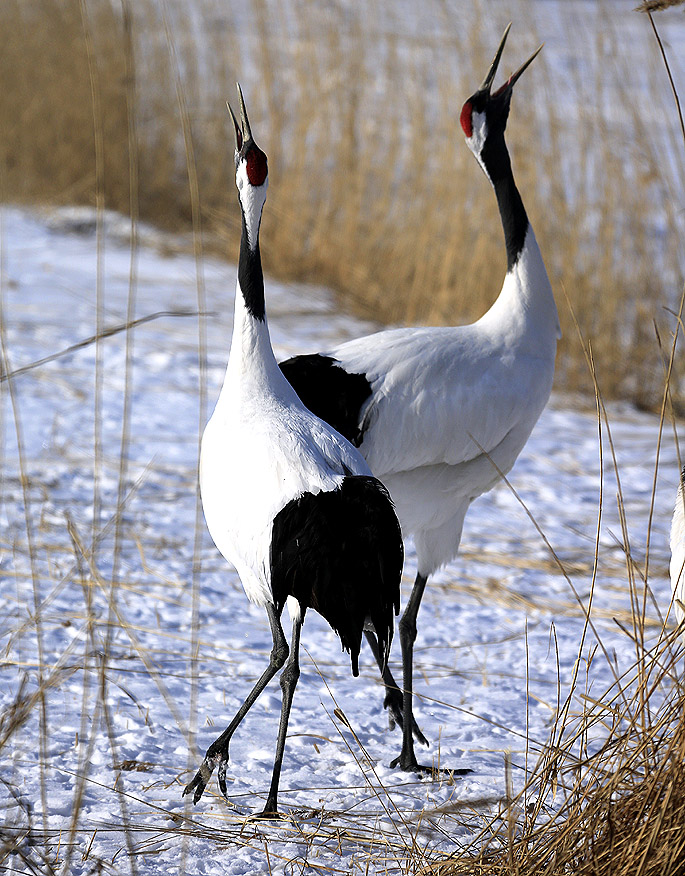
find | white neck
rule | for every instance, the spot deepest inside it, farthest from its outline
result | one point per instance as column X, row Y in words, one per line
column 252, row 200
column 525, row 308
column 252, row 371
column 251, row 360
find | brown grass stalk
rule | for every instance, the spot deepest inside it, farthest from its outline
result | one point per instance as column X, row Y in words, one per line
column 373, row 190
column 378, row 197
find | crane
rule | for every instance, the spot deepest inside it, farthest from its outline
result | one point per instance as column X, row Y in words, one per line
column 288, row 501
column 440, row 413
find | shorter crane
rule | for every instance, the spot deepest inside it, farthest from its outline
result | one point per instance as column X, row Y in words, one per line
column 288, row 501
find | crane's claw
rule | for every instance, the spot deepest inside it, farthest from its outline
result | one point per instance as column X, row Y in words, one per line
column 409, row 764
column 221, row 775
column 394, row 703
column 199, row 783
column 213, row 758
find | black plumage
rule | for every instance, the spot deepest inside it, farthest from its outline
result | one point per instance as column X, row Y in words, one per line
column 333, row 394
column 341, row 553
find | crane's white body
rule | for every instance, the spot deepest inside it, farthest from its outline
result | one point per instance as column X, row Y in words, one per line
column 288, row 501
column 452, row 407
column 441, row 413
column 262, row 448
column 677, row 567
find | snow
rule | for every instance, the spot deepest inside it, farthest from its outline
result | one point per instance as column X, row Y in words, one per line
column 174, row 646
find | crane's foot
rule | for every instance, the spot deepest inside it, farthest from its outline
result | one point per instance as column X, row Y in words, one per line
column 213, row 759
column 407, row 763
column 268, row 815
column 270, row 811
column 394, row 703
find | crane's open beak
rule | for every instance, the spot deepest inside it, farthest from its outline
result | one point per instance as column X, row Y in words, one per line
column 243, row 132
column 486, row 85
column 509, row 84
column 244, row 121
column 490, row 76
column 238, row 133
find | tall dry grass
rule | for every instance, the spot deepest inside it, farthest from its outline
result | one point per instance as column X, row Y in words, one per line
column 373, row 191
column 658, row 5
column 607, row 792
column 82, row 122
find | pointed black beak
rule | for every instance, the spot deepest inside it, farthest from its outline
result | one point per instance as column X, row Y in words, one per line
column 244, row 121
column 515, row 76
column 238, row 133
column 243, row 132
column 486, row 85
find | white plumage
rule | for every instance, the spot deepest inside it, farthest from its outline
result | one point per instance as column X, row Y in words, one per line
column 288, row 501
column 261, row 449
column 449, row 406
column 445, row 410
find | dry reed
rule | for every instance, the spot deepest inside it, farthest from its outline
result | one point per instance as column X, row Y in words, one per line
column 373, row 191
column 617, row 806
column 658, row 5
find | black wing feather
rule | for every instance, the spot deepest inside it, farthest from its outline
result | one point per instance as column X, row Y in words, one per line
column 333, row 394
column 341, row 553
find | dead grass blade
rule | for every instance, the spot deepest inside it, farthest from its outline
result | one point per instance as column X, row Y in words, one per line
column 403, row 230
column 93, row 339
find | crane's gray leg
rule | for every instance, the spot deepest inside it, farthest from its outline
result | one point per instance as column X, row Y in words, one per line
column 217, row 753
column 289, row 678
column 394, row 699
column 407, row 759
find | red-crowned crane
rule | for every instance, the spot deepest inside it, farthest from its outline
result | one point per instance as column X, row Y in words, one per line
column 439, row 413
column 288, row 501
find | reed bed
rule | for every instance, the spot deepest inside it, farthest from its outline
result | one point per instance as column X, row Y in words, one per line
column 373, row 190
column 658, row 5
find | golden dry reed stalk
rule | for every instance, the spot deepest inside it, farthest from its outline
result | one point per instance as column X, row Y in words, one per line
column 373, row 190
column 657, row 5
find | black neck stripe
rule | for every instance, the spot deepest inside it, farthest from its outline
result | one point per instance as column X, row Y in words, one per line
column 250, row 276
column 515, row 223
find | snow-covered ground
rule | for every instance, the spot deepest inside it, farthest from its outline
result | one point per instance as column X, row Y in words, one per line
column 139, row 678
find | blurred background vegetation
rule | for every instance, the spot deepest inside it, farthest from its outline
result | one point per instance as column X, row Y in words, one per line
column 121, row 105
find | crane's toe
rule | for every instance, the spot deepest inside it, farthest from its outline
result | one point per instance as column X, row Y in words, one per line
column 213, row 758
column 221, row 773
column 394, row 703
column 268, row 815
column 407, row 763
column 198, row 784
column 418, row 735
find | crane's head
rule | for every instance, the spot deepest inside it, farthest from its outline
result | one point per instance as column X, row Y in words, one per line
column 251, row 168
column 484, row 115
